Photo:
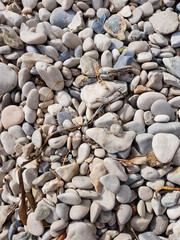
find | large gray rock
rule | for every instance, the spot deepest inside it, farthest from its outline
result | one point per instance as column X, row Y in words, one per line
column 110, row 142
column 164, row 146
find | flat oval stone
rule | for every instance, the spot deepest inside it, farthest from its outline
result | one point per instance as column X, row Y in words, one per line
column 82, row 182
column 161, row 118
column 35, row 227
column 12, row 115
column 57, row 142
column 33, row 99
column 8, row 142
column 58, row 225
column 37, row 138
column 145, row 100
column 8, row 80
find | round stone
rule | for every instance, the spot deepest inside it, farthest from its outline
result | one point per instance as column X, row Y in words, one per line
column 124, row 194
column 35, row 227
column 12, row 115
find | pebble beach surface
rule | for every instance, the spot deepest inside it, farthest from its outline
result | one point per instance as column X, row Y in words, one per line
column 89, row 120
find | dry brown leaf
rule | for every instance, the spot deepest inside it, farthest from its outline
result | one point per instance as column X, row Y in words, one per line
column 31, row 200
column 22, row 208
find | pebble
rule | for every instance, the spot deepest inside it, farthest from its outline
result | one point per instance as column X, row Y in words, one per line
column 57, row 142
column 111, row 182
column 12, row 115
column 78, row 212
column 82, row 182
column 104, row 139
column 124, row 194
column 164, row 146
column 102, row 42
column 71, row 197
column 8, row 80
column 115, row 25
column 61, row 18
column 34, row 227
column 145, row 193
column 144, row 57
column 140, row 224
column 67, row 172
column 170, row 199
column 58, row 225
column 115, row 168
column 149, row 173
column 76, row 229
column 50, row 75
column 71, row 40
column 136, row 15
column 124, row 213
column 173, row 176
column 37, row 138
column 138, row 46
column 62, row 211
column 160, row 23
column 42, row 212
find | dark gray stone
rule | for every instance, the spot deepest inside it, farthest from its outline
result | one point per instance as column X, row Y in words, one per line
column 124, row 59
column 144, row 143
